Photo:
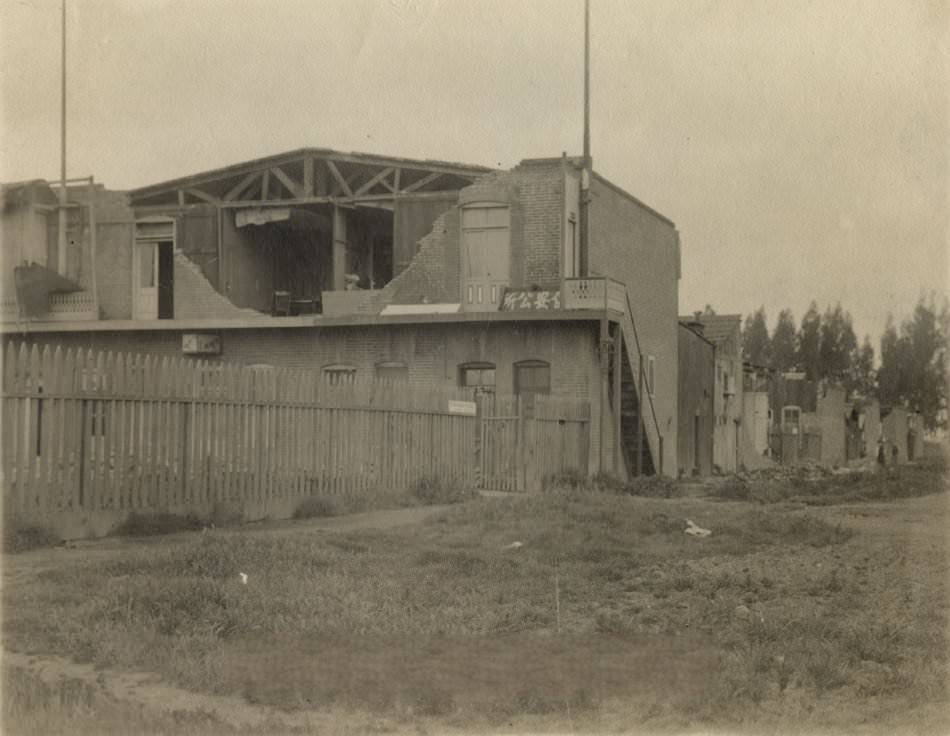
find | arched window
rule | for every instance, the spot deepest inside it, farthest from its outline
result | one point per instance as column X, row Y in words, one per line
column 338, row 372
column 532, row 377
column 392, row 371
column 477, row 375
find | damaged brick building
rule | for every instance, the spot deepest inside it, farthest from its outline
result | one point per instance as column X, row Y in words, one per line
column 416, row 270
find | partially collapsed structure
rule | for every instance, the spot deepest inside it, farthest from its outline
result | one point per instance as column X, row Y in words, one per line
column 421, row 271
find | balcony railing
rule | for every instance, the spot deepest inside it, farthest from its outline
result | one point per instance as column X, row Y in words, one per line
column 75, row 306
column 596, row 292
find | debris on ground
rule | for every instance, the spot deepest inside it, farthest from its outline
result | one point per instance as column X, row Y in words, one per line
column 513, row 545
column 696, row 531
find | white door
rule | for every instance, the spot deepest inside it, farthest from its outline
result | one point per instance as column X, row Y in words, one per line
column 146, row 298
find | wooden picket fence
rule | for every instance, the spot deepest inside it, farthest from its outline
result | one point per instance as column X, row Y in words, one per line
column 91, row 434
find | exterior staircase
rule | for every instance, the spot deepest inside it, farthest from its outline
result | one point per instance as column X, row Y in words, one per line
column 630, row 416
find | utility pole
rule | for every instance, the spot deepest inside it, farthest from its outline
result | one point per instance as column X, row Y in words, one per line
column 61, row 240
column 584, row 218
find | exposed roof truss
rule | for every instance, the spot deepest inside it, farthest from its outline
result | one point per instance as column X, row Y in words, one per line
column 310, row 176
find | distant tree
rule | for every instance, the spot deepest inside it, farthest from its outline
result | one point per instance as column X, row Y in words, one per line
column 709, row 311
column 861, row 379
column 755, row 338
column 808, row 355
column 914, row 361
column 893, row 376
column 836, row 346
column 926, row 367
column 783, row 344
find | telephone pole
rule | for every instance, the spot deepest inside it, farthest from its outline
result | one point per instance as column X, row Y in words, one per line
column 61, row 240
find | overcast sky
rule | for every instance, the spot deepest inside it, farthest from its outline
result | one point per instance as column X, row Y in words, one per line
column 800, row 147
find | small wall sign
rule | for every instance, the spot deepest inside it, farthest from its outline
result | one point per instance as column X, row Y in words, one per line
column 197, row 343
column 462, row 407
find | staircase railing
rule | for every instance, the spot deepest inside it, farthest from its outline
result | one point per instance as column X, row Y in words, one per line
column 655, row 447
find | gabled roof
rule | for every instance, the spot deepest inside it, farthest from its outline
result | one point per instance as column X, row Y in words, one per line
column 717, row 328
column 292, row 175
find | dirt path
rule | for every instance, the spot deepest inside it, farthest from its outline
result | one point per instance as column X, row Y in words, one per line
column 25, row 565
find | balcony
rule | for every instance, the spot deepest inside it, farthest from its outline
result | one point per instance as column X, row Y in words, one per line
column 596, row 292
column 75, row 306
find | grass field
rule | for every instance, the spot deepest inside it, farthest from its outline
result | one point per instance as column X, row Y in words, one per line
column 788, row 618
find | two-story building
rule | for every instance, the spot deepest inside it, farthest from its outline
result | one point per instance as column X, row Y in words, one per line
column 424, row 271
column 724, row 331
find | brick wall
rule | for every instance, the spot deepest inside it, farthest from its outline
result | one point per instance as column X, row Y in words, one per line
column 433, row 274
column 432, row 352
column 535, row 195
column 633, row 244
column 196, row 298
column 541, row 198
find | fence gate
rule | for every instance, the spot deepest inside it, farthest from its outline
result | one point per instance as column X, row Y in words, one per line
column 499, row 434
column 521, row 444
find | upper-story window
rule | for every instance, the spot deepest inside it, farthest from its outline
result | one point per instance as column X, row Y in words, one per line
column 480, row 376
column 486, row 254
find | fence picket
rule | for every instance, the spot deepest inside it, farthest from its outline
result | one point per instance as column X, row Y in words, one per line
column 89, row 432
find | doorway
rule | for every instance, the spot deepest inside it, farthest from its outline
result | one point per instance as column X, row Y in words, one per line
column 153, row 266
column 485, row 256
column 155, row 298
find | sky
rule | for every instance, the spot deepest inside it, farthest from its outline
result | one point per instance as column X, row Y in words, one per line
column 801, row 147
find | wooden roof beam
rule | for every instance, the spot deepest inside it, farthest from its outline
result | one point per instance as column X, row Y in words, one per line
column 204, row 196
column 293, row 187
column 344, row 185
column 241, row 186
column 308, row 176
column 374, row 181
column 428, row 179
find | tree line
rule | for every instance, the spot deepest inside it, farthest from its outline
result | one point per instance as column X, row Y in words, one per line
column 913, row 354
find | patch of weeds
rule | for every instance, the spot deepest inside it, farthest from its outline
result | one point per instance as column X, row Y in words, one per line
column 760, row 529
column 316, row 507
column 431, row 700
column 145, row 525
column 536, row 702
column 654, row 486
column 226, row 514
column 734, row 489
column 882, row 644
column 461, row 562
column 572, row 480
column 432, row 490
column 681, row 583
column 21, row 536
column 825, row 670
column 660, row 523
column 613, row 571
column 213, row 557
column 179, row 606
column 606, row 483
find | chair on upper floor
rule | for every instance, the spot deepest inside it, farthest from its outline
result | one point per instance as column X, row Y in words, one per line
column 281, row 306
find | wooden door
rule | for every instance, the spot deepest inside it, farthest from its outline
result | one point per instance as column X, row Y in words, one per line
column 486, row 257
